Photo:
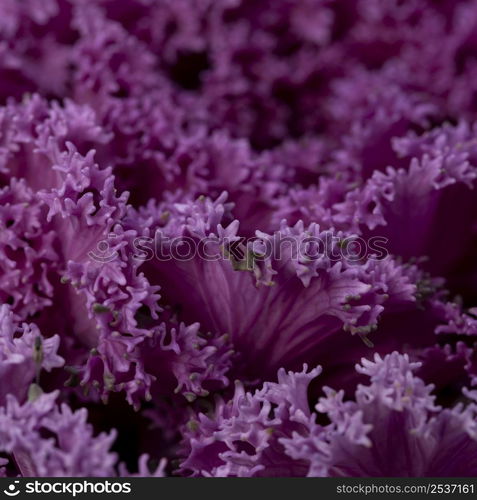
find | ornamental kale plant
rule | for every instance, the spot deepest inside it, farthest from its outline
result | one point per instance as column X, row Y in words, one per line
column 238, row 238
